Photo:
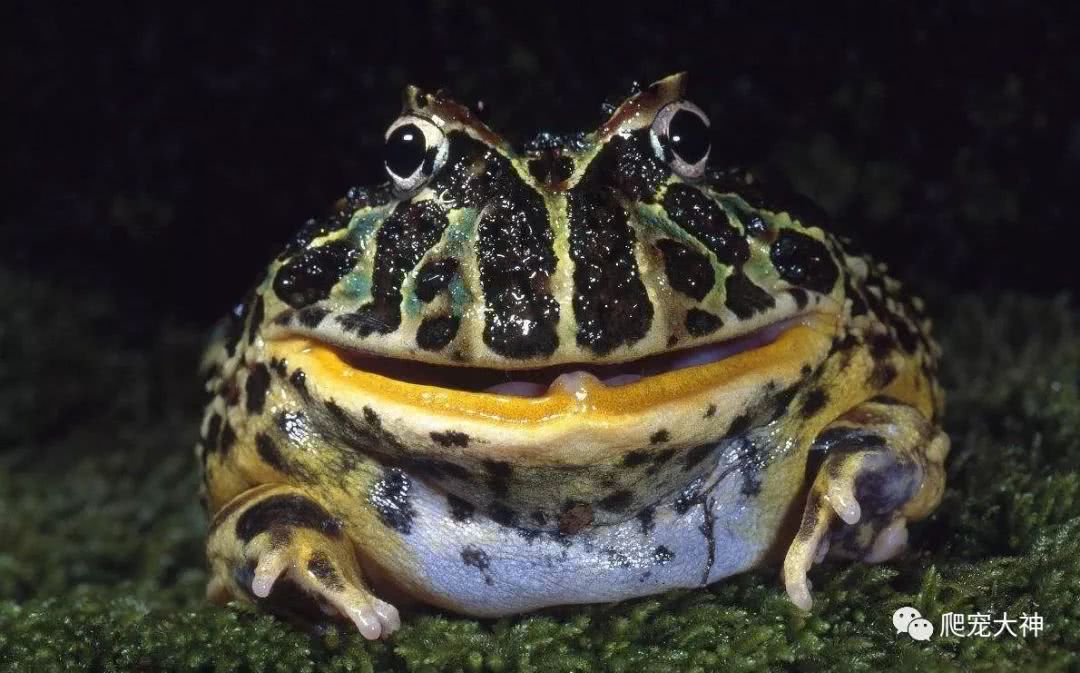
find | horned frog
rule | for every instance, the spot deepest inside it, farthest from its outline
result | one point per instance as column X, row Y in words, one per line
column 582, row 371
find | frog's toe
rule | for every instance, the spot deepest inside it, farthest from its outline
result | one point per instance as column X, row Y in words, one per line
column 282, row 550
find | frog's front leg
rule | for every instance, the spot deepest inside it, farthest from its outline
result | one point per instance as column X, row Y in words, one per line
column 882, row 467
column 273, row 540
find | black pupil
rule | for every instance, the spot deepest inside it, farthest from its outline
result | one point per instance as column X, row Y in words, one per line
column 689, row 136
column 405, row 149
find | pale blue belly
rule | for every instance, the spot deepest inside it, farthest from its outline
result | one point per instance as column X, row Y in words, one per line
column 483, row 568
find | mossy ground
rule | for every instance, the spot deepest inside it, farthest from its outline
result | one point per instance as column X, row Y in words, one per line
column 101, row 565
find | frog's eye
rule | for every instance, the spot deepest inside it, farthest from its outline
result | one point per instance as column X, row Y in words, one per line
column 680, row 137
column 415, row 149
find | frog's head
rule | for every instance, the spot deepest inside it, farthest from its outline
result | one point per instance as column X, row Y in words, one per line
column 611, row 271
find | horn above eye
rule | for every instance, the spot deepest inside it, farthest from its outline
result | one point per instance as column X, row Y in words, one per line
column 414, row 150
column 680, row 137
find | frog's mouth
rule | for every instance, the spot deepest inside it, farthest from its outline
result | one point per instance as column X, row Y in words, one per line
column 777, row 354
column 569, row 377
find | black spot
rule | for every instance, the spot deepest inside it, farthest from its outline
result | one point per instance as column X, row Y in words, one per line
column 475, row 557
column 610, row 302
column 688, row 271
column 256, row 319
column 451, row 438
column 804, row 261
column 436, row 332
column 635, row 458
column 782, row 401
column 662, row 555
column 271, row 454
column 279, row 366
column 659, row 437
column 402, row 241
column 661, row 457
column 551, row 168
column 699, row 322
column 286, row 511
column 298, row 379
column 502, row 515
column 688, row 497
column 646, row 518
column 309, row 277
column 390, row 497
column 258, row 381
column 617, row 501
column 629, row 164
column 311, row 316
column 908, row 338
column 744, row 298
column 702, row 217
column 228, row 438
column 881, row 345
column 882, row 375
column 740, row 424
column 710, row 411
column 498, row 477
column 460, row 510
column 434, row 277
column 539, row 518
column 697, row 454
column 845, row 439
column 323, row 569
column 800, row 296
column 815, row 401
column 516, row 260
column 213, row 432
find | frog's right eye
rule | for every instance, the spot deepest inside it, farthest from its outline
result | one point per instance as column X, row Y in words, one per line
column 415, row 149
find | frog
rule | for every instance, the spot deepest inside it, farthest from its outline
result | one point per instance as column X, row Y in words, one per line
column 583, row 369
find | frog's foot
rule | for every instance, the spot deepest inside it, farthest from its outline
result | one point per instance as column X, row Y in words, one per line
column 276, row 546
column 882, row 467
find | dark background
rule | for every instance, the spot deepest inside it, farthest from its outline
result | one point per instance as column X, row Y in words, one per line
column 165, row 154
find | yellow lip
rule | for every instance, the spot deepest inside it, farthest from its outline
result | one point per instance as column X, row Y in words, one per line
column 780, row 361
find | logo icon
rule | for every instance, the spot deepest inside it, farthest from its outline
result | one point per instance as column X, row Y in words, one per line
column 910, row 621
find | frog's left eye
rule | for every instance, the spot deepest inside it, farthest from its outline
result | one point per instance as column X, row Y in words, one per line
column 415, row 149
column 680, row 137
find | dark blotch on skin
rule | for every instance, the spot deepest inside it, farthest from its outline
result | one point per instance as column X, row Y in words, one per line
column 610, row 302
column 744, row 298
column 635, row 458
column 390, row 497
column 696, row 455
column 258, row 313
column 659, row 437
column 311, row 316
column 805, row 261
column 271, row 454
column 295, row 511
column 475, row 557
column 740, row 424
column 434, row 277
column 847, row 439
column 629, row 164
column 688, row 271
column 401, row 243
column 258, row 381
column 699, row 322
column 662, row 555
column 702, row 217
column 617, row 501
column 502, row 515
column 451, row 438
column 228, row 438
column 710, row 411
column 298, row 379
column 498, row 477
column 576, row 516
column 213, row 431
column 436, row 332
column 309, row 277
column 460, row 510
column 815, row 401
column 323, row 569
column 800, row 297
column 646, row 518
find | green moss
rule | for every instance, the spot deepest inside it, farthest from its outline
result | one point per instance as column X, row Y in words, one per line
column 101, row 564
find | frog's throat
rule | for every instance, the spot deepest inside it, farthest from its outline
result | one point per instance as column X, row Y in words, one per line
column 580, row 400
